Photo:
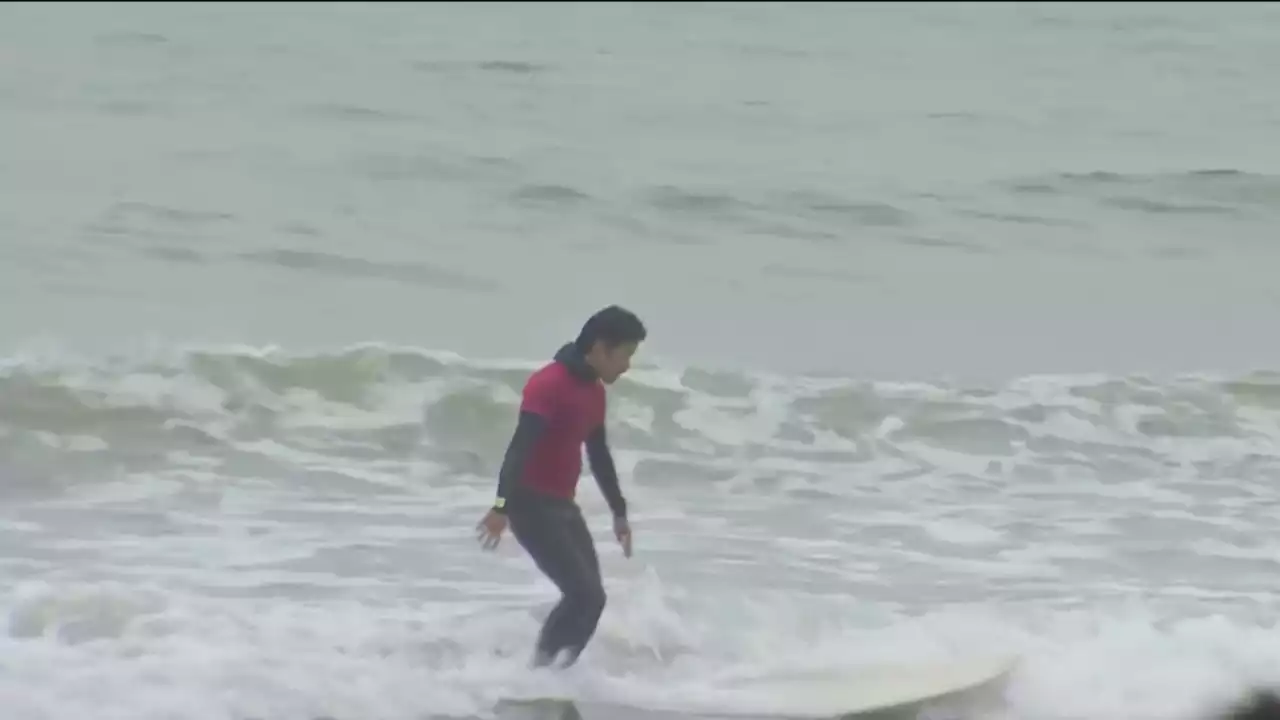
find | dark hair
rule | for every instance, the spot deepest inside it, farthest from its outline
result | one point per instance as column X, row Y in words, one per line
column 612, row 326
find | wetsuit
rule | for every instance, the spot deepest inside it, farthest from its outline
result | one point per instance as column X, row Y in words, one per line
column 562, row 408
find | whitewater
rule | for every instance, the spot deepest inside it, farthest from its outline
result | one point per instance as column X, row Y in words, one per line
column 236, row 533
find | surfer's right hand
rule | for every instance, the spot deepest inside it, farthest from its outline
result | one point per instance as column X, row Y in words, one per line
column 489, row 530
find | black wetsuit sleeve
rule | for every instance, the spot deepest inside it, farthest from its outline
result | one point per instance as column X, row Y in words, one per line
column 528, row 427
column 606, row 474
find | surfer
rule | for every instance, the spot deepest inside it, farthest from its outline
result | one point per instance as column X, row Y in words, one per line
column 563, row 408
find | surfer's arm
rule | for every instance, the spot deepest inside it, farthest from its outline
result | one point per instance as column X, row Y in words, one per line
column 538, row 404
column 606, row 474
column 528, row 427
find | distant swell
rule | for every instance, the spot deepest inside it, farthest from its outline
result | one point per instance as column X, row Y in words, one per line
column 1206, row 191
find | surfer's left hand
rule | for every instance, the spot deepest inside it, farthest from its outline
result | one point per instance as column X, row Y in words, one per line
column 622, row 531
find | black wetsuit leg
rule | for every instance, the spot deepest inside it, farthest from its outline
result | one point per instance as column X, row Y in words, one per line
column 556, row 536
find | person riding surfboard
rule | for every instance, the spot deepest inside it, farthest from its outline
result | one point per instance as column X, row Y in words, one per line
column 562, row 409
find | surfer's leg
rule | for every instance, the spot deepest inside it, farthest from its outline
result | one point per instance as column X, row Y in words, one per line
column 582, row 625
column 535, row 528
column 547, row 533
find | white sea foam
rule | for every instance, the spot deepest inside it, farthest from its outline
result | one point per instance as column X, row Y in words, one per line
column 302, row 559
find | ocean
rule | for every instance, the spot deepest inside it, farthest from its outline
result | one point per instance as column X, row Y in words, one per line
column 961, row 343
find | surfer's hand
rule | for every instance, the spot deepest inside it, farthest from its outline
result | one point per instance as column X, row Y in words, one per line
column 622, row 531
column 489, row 530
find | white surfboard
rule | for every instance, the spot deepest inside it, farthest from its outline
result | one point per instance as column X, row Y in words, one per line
column 877, row 689
column 869, row 691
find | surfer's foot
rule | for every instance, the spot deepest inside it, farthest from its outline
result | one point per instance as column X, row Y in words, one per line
column 541, row 659
column 571, row 657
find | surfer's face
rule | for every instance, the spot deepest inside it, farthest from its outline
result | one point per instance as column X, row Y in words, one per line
column 611, row 363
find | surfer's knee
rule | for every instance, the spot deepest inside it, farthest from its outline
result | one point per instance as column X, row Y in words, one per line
column 592, row 600
column 598, row 600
